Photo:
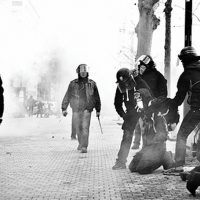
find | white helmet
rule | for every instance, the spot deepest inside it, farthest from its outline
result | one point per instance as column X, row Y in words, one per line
column 144, row 62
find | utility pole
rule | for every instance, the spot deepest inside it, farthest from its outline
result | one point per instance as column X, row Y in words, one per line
column 188, row 23
column 188, row 37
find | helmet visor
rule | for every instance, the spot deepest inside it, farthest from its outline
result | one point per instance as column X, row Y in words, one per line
column 143, row 59
column 146, row 60
column 83, row 68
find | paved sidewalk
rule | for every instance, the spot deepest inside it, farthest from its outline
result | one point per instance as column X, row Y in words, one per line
column 43, row 163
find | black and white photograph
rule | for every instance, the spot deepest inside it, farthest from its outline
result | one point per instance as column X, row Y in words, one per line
column 99, row 99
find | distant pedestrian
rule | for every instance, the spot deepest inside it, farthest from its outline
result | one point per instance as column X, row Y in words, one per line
column 47, row 111
column 40, row 108
column 30, row 105
column 83, row 96
column 1, row 100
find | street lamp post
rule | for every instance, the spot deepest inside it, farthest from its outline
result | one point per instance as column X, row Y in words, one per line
column 188, row 22
column 188, row 37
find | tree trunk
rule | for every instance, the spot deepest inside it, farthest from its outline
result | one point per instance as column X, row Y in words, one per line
column 148, row 22
column 167, row 10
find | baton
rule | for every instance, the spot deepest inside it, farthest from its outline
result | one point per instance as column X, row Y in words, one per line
column 100, row 125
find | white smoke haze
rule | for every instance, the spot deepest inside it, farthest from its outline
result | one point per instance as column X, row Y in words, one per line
column 52, row 38
column 72, row 32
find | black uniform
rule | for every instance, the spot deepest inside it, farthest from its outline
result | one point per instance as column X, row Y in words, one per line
column 158, row 86
column 189, row 82
column 130, row 117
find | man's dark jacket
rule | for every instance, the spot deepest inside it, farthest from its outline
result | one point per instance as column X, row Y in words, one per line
column 156, row 82
column 82, row 94
column 130, row 114
column 189, row 82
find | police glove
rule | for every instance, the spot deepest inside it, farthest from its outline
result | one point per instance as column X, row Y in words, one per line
column 64, row 112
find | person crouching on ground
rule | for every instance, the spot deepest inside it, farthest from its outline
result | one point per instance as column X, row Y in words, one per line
column 127, row 94
column 83, row 96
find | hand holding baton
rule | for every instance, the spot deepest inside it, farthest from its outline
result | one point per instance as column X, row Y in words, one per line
column 98, row 115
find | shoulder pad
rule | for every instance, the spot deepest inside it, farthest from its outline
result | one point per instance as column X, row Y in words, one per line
column 74, row 81
column 91, row 81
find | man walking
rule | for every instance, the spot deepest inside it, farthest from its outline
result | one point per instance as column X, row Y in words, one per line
column 30, row 105
column 83, row 97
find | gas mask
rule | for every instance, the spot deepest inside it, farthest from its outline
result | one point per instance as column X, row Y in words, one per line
column 141, row 69
column 142, row 63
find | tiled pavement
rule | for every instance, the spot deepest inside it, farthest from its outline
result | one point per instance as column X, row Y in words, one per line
column 39, row 161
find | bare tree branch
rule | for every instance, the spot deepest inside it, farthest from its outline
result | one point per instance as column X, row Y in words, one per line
column 192, row 12
column 197, row 7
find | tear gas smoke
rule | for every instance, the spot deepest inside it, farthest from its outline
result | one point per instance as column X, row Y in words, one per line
column 45, row 45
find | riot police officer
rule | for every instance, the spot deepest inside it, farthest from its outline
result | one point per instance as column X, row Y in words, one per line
column 188, row 83
column 146, row 68
column 128, row 94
